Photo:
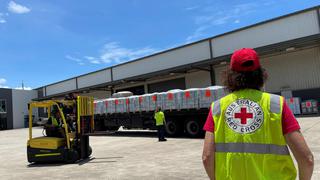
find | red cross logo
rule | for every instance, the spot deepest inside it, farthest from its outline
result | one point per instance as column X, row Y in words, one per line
column 243, row 115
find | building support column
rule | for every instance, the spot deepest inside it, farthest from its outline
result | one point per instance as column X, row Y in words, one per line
column 212, row 76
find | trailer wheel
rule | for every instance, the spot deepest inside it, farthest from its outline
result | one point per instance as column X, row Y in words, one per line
column 173, row 128
column 192, row 128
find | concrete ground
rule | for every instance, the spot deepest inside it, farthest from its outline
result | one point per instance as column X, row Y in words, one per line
column 126, row 155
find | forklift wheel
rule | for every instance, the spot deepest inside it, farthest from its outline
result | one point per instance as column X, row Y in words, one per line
column 72, row 156
column 89, row 151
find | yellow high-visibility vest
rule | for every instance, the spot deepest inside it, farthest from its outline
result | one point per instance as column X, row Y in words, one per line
column 249, row 142
column 159, row 117
column 54, row 121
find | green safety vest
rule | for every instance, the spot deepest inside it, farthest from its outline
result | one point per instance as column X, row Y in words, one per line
column 159, row 116
column 54, row 121
column 249, row 143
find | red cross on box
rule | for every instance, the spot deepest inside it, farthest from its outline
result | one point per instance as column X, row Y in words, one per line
column 243, row 115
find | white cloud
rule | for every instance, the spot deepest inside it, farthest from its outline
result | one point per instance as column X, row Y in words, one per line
column 3, row 85
column 73, row 58
column 2, row 81
column 95, row 61
column 113, row 53
column 92, row 60
column 192, row 8
column 2, row 19
column 89, row 57
column 199, row 32
column 17, row 8
column 212, row 16
column 226, row 15
column 77, row 60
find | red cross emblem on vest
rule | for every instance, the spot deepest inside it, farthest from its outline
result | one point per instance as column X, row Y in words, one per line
column 243, row 115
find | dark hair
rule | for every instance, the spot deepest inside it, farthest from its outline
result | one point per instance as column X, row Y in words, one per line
column 235, row 81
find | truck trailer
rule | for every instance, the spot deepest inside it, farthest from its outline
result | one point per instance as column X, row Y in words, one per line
column 185, row 110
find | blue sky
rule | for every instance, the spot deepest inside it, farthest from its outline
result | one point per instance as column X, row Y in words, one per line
column 42, row 41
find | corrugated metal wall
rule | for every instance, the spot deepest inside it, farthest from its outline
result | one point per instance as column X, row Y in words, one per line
column 293, row 71
column 164, row 86
column 198, row 79
column 292, row 27
column 98, row 94
column 189, row 54
column 99, row 77
column 218, row 74
column 61, row 87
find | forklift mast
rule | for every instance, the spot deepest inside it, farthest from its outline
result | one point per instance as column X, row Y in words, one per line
column 85, row 124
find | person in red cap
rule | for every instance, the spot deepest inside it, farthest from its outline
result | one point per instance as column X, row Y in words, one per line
column 247, row 131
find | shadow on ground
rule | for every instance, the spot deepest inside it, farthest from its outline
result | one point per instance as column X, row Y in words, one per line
column 138, row 134
column 80, row 162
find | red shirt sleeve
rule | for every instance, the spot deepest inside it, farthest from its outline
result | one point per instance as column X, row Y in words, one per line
column 289, row 122
column 209, row 125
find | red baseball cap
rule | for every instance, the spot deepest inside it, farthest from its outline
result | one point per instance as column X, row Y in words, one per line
column 244, row 60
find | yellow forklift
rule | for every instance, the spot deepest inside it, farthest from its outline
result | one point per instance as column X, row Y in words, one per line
column 73, row 144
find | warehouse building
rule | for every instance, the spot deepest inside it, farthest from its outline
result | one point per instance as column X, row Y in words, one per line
column 13, row 107
column 289, row 48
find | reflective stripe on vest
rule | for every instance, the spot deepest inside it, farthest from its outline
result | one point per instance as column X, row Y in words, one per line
column 275, row 103
column 216, row 108
column 252, row 148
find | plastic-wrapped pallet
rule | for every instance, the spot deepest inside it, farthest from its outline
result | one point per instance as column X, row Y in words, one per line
column 190, row 99
column 99, row 107
column 95, row 104
column 134, row 105
column 210, row 94
column 144, row 102
column 153, row 101
column 173, row 99
column 160, row 99
column 122, row 94
column 127, row 107
column 104, row 106
column 309, row 107
column 294, row 105
column 121, row 105
column 111, row 105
